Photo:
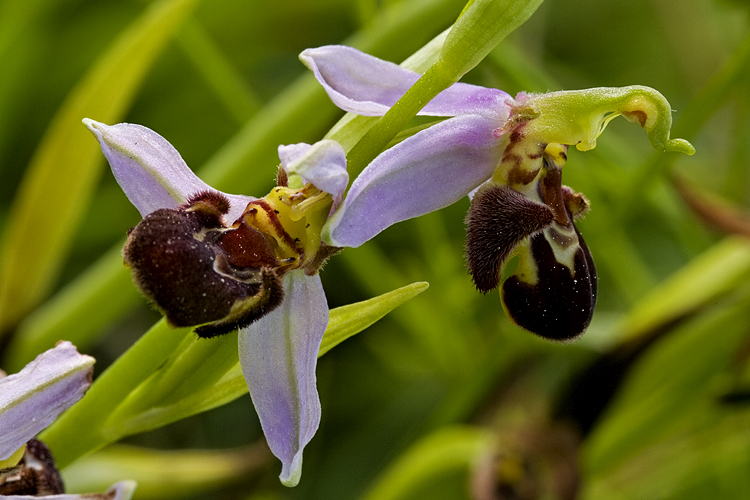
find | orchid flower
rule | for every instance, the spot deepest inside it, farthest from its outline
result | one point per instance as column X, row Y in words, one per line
column 508, row 154
column 223, row 262
column 30, row 400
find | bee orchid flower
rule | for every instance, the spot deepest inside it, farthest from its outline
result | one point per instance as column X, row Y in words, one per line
column 221, row 262
column 30, row 400
column 508, row 153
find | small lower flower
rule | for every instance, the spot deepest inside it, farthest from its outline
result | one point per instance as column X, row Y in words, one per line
column 222, row 262
column 515, row 150
column 30, row 400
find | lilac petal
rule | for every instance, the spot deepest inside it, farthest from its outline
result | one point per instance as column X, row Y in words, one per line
column 323, row 165
column 122, row 490
column 149, row 169
column 365, row 85
column 278, row 354
column 32, row 399
column 426, row 172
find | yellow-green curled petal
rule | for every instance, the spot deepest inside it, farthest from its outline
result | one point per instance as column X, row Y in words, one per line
column 578, row 117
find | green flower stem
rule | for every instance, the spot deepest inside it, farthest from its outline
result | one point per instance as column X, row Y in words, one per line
column 481, row 26
column 434, row 81
column 79, row 431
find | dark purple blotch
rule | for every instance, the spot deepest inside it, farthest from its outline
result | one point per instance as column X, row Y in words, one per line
column 560, row 305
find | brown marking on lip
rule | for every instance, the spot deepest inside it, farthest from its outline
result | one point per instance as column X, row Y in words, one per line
column 511, row 157
column 551, row 191
column 516, row 136
column 519, row 175
column 35, row 474
column 268, row 298
column 535, row 156
column 176, row 271
column 637, row 115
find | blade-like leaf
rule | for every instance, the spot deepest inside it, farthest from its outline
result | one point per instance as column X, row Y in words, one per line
column 204, row 375
column 449, row 449
column 80, row 310
column 67, row 163
column 351, row 319
column 140, row 393
column 672, row 386
column 165, row 474
column 718, row 270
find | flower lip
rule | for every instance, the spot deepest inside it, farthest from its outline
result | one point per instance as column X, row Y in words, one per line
column 200, row 272
column 35, row 475
column 560, row 305
column 498, row 220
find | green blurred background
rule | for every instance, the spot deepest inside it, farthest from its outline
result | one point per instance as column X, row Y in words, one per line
column 444, row 398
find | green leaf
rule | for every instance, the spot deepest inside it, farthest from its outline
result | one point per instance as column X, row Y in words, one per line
column 223, row 78
column 202, row 375
column 64, row 170
column 449, row 449
column 78, row 431
column 672, row 386
column 351, row 319
column 77, row 313
column 169, row 375
column 165, row 474
column 714, row 273
column 709, row 462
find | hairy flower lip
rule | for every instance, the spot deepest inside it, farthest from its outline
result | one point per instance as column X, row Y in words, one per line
column 560, row 305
